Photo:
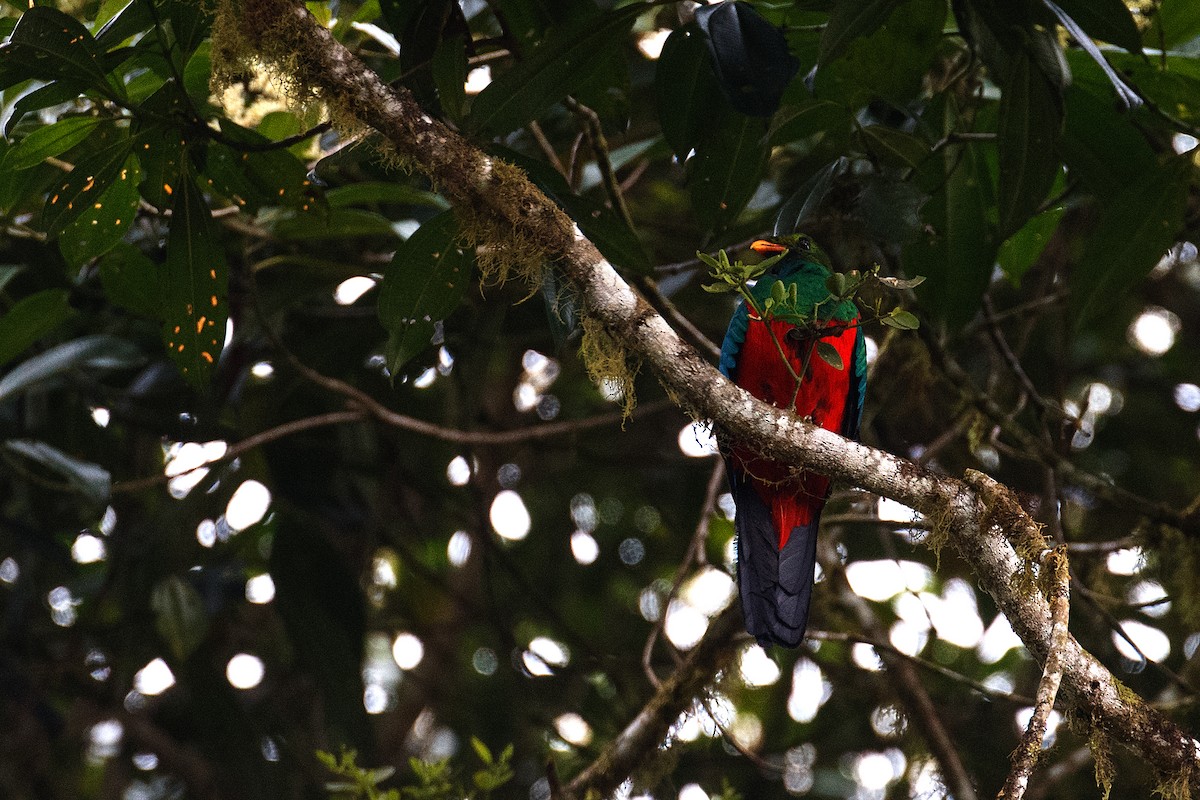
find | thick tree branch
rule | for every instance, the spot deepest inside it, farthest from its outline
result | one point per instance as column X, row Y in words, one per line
column 980, row 516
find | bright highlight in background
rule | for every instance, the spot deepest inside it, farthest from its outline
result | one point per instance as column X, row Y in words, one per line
column 87, row 549
column 407, row 651
column 1154, row 330
column 696, row 440
column 260, row 589
column 244, row 671
column 248, row 505
column 510, row 519
column 154, row 678
column 351, row 289
column 584, row 547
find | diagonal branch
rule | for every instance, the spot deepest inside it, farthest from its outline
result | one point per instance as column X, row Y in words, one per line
column 980, row 516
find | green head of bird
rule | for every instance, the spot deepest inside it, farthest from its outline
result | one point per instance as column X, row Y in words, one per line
column 795, row 249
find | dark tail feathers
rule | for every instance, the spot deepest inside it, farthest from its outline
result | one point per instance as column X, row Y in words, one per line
column 775, row 586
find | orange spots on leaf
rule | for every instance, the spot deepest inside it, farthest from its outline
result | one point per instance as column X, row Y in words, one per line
column 206, row 356
column 167, row 188
column 214, row 300
column 200, row 324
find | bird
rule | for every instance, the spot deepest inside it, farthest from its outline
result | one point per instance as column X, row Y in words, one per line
column 778, row 508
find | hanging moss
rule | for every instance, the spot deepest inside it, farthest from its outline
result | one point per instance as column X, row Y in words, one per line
column 607, row 361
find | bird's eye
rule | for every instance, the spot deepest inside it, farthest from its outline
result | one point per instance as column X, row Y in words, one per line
column 803, row 244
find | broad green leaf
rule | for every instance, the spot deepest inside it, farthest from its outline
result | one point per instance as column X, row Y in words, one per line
column 727, row 168
column 194, row 287
column 1030, row 120
column 1020, row 251
column 92, row 481
column 1175, row 23
column 1107, row 20
column 91, row 177
column 340, row 223
column 1132, row 232
column 423, row 284
column 890, row 63
column 829, row 354
column 95, row 352
column 131, row 280
column 813, row 117
column 43, row 97
column 851, row 20
column 685, row 90
column 893, row 148
column 51, row 140
column 372, row 192
column 31, row 319
column 179, row 615
column 105, row 222
column 563, row 62
column 449, row 68
column 252, row 176
column 901, row 320
column 186, row 24
column 134, row 18
column 957, row 248
column 8, row 272
column 51, row 45
column 1102, row 147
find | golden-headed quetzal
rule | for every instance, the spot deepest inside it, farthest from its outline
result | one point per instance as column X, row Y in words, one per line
column 778, row 508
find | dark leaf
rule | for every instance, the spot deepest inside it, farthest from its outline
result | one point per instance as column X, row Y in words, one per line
column 726, row 169
column 813, row 117
column 179, row 615
column 1129, row 98
column 829, row 354
column 82, row 187
column 130, row 280
column 685, row 90
column 750, row 56
column 50, row 45
column 806, row 201
column 555, row 68
column 423, row 284
column 893, row 148
column 104, row 223
column 96, row 352
column 1174, row 23
column 134, row 18
column 850, row 20
column 31, row 319
column 1020, row 251
column 194, row 287
column 52, row 140
column 43, row 97
column 1030, row 120
column 92, row 481
column 1132, row 233
column 373, row 192
column 1107, row 20
column 1101, row 147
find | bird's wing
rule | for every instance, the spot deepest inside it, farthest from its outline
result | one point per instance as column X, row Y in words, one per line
column 735, row 337
column 858, row 388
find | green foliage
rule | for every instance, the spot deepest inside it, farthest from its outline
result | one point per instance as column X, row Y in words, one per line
column 435, row 780
column 179, row 269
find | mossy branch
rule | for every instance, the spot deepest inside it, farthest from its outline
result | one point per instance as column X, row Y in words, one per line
column 520, row 229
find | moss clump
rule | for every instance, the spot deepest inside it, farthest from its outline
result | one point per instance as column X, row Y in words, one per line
column 607, row 361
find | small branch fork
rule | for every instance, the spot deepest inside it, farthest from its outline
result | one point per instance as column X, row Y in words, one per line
column 983, row 517
column 1025, row 757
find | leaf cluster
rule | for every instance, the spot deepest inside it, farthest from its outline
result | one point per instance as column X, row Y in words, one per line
column 435, row 780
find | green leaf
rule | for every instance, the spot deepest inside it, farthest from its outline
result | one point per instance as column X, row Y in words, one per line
column 82, row 187
column 1175, row 23
column 893, row 148
column 104, row 223
column 134, row 18
column 423, row 284
column 92, row 481
column 1101, row 147
column 43, row 97
column 1021, row 250
column 1107, row 20
column 685, row 89
column 814, row 117
column 836, row 284
column 901, row 320
column 563, row 62
column 1132, row 232
column 96, row 352
column 829, row 354
column 339, row 223
column 50, row 45
column 481, row 750
column 179, row 615
column 900, row 283
column 386, row 192
column 850, row 20
column 194, row 286
column 51, row 140
column 130, row 280
column 726, row 169
column 1030, row 119
column 31, row 319
column 957, row 248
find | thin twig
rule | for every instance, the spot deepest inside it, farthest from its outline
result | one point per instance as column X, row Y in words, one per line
column 1025, row 757
column 694, row 553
